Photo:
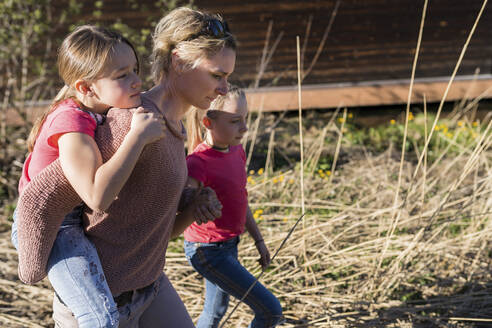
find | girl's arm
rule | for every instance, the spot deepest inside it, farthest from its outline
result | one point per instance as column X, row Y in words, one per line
column 99, row 183
column 255, row 233
column 202, row 207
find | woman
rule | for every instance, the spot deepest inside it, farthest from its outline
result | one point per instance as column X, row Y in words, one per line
column 193, row 55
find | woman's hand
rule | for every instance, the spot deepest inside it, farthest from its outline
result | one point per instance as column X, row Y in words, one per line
column 264, row 254
column 148, row 127
column 207, row 206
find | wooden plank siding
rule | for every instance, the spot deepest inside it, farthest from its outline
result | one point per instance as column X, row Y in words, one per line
column 371, row 41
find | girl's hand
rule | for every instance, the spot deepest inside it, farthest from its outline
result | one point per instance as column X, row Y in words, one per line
column 148, row 127
column 264, row 254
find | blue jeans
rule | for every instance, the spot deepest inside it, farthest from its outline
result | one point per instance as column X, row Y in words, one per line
column 224, row 275
column 76, row 274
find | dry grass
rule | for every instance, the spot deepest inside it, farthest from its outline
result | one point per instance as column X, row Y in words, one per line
column 436, row 265
column 387, row 241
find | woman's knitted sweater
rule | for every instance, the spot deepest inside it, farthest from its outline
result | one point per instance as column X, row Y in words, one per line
column 131, row 237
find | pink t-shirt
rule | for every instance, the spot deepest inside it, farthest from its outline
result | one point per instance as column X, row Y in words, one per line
column 225, row 173
column 66, row 117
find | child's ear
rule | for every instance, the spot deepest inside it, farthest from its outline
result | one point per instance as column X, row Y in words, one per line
column 83, row 87
column 207, row 122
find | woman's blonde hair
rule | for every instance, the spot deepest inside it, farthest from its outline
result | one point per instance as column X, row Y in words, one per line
column 185, row 30
column 194, row 125
column 84, row 54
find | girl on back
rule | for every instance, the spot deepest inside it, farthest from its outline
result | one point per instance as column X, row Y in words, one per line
column 219, row 161
column 100, row 71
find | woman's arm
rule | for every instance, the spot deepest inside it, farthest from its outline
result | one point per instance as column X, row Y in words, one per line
column 201, row 205
column 99, row 183
column 255, row 233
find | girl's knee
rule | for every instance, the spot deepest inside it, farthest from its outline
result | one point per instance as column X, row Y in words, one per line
column 274, row 308
column 273, row 314
column 276, row 317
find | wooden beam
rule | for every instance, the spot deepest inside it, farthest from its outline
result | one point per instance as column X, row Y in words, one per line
column 373, row 93
column 333, row 95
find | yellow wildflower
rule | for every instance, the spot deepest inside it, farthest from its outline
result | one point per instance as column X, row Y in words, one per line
column 350, row 115
column 328, row 172
column 341, row 120
column 260, row 171
column 460, row 123
column 284, row 219
column 449, row 135
column 281, row 178
column 250, row 179
column 291, row 181
column 275, row 180
column 251, row 172
column 256, row 215
column 475, row 124
column 392, row 122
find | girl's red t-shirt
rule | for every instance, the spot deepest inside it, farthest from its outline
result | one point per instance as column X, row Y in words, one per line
column 66, row 117
column 225, row 173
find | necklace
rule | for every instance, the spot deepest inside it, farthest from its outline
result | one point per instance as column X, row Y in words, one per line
column 216, row 147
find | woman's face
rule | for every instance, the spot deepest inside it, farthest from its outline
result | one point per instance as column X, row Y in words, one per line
column 201, row 85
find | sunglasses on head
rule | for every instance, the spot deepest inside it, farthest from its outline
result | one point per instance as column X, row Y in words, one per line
column 214, row 28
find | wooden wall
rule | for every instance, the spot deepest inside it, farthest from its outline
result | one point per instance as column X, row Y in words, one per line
column 370, row 42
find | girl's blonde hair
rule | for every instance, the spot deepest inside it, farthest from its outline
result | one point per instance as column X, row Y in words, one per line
column 194, row 125
column 83, row 55
column 185, row 30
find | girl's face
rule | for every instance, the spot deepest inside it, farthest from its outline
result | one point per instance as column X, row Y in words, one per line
column 120, row 85
column 228, row 126
column 201, row 85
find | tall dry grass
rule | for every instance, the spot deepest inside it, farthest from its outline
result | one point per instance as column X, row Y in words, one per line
column 434, row 267
column 389, row 239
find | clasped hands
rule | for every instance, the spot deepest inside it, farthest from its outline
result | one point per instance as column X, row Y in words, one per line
column 202, row 202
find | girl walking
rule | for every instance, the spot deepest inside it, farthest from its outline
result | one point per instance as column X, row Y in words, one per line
column 219, row 162
column 100, row 71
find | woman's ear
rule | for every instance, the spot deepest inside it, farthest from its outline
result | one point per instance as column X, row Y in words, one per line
column 83, row 87
column 177, row 63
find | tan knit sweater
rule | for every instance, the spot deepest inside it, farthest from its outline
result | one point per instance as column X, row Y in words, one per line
column 131, row 237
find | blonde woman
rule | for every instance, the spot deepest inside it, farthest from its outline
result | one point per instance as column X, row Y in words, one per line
column 193, row 56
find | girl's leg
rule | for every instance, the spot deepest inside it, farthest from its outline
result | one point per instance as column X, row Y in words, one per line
column 215, row 306
column 76, row 275
column 219, row 265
